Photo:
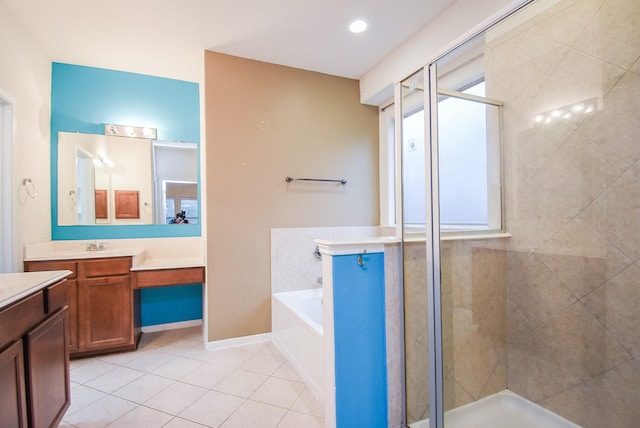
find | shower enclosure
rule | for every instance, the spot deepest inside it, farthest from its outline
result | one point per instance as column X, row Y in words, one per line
column 519, row 159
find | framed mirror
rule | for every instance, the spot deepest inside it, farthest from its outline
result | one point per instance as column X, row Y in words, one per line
column 105, row 180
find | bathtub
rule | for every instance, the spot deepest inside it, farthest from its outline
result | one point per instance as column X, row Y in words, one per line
column 297, row 331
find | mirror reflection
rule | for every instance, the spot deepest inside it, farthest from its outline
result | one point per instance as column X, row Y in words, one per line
column 113, row 180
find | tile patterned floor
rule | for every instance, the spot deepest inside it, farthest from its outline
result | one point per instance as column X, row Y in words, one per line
column 172, row 381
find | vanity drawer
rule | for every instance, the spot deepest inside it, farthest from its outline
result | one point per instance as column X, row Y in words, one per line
column 20, row 317
column 56, row 296
column 37, row 266
column 107, row 267
column 161, row 277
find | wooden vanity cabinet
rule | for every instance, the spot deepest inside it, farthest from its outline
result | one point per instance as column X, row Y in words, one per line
column 34, row 359
column 102, row 314
column 13, row 396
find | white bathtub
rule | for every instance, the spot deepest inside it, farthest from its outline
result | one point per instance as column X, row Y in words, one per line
column 297, row 331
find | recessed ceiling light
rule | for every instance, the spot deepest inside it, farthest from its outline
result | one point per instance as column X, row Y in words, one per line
column 358, row 25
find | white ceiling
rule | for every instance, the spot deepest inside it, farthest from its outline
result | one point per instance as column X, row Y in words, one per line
column 171, row 35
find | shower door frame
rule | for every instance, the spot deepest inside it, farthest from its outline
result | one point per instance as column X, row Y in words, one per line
column 432, row 226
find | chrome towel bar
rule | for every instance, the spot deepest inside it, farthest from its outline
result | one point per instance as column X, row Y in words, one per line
column 324, row 180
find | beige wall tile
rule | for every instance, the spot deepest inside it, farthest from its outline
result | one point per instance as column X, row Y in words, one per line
column 580, row 343
column 616, row 214
column 582, row 258
column 565, row 22
column 613, row 34
column 537, row 292
column 615, row 125
column 616, row 304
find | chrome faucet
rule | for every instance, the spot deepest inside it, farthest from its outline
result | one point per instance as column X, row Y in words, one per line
column 95, row 246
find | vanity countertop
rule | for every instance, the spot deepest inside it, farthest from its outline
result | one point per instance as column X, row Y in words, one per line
column 15, row 286
column 82, row 254
column 156, row 254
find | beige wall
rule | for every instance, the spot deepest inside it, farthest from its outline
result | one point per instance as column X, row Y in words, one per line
column 25, row 80
column 265, row 122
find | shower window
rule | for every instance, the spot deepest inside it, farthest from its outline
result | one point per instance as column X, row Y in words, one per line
column 469, row 160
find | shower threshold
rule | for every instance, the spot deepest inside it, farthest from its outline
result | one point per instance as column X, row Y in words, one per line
column 502, row 410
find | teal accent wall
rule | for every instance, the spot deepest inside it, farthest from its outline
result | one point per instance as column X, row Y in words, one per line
column 84, row 99
column 164, row 305
column 360, row 341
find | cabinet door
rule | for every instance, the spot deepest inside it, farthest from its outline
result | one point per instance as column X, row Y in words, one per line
column 105, row 308
column 13, row 403
column 47, row 356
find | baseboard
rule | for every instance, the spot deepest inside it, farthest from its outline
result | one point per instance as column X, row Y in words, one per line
column 236, row 341
column 171, row 326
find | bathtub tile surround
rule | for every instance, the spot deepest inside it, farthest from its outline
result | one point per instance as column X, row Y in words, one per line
column 293, row 264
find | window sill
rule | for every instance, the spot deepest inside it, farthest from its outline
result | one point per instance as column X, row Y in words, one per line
column 459, row 236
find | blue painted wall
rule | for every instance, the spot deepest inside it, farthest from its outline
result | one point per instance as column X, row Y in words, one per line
column 360, row 344
column 171, row 304
column 84, row 99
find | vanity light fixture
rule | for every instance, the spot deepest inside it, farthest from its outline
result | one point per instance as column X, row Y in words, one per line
column 358, row 25
column 131, row 131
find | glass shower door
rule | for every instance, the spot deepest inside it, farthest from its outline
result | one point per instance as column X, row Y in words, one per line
column 538, row 295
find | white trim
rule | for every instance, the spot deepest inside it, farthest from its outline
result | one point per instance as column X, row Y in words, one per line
column 355, row 245
column 170, row 326
column 237, row 341
column 6, row 183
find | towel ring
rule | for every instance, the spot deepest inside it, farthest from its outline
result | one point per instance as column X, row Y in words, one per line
column 74, row 197
column 30, row 188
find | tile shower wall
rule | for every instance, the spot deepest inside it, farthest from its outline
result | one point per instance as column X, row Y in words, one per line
column 474, row 323
column 553, row 312
column 572, row 188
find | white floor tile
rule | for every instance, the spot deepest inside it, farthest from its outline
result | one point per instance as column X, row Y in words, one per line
column 297, row 420
column 148, row 360
column 278, row 392
column 100, row 413
column 143, row 388
column 229, row 357
column 254, row 414
column 138, row 389
column 175, row 398
column 119, row 358
column 114, row 379
column 212, row 409
column 82, row 396
column 183, row 423
column 207, row 375
column 308, row 404
column 177, row 368
column 263, row 363
column 142, row 417
column 241, row 383
column 286, row 371
column 91, row 370
column 266, row 347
